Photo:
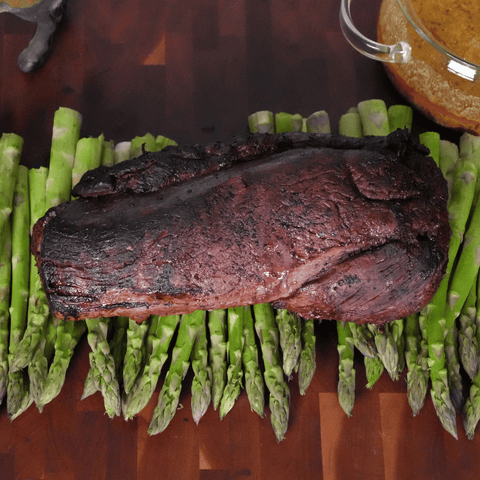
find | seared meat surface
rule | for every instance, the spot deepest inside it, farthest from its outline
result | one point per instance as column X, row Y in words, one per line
column 326, row 226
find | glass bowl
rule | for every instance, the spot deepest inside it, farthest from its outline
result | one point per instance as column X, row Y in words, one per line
column 423, row 60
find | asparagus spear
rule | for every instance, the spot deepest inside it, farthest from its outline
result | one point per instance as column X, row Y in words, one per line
column 318, row 122
column 145, row 142
column 43, row 353
column 254, row 383
column 448, row 157
column 467, row 335
column 163, row 142
column 235, row 317
column 350, row 125
column 471, row 408
column 118, row 345
column 20, row 285
column 108, row 153
column 346, row 370
column 452, row 363
column 364, row 340
column 190, row 326
column 134, row 353
column 396, row 328
column 88, row 155
column 400, row 116
column 68, row 334
column 307, row 362
column 101, row 361
column 374, row 116
column 387, row 349
column 374, row 369
column 279, row 393
column 11, row 146
column 261, row 122
column 217, row 326
column 91, row 384
column 160, row 334
column 122, row 152
column 431, row 140
column 290, row 330
column 417, row 375
column 66, row 133
column 287, row 122
column 5, row 279
column 202, row 373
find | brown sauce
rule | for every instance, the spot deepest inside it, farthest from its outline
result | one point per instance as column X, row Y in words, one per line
column 425, row 80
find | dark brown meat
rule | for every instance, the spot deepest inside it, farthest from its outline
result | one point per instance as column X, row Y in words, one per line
column 326, row 226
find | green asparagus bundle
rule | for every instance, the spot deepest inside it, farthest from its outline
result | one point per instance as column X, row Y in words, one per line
column 88, row 154
column 235, row 344
column 202, row 373
column 190, row 327
column 66, row 131
column 346, row 370
column 217, row 326
column 290, row 329
column 279, row 393
column 68, row 334
column 102, row 375
column 11, row 146
column 442, row 310
column 254, row 383
column 159, row 337
column 307, row 362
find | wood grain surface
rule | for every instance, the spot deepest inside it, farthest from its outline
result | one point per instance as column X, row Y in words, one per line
column 193, row 71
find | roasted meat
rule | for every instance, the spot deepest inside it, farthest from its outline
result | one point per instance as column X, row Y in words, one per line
column 323, row 225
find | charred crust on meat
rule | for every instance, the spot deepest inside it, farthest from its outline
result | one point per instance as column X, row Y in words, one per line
column 324, row 225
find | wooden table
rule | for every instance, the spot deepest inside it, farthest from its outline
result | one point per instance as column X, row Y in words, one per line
column 193, row 71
